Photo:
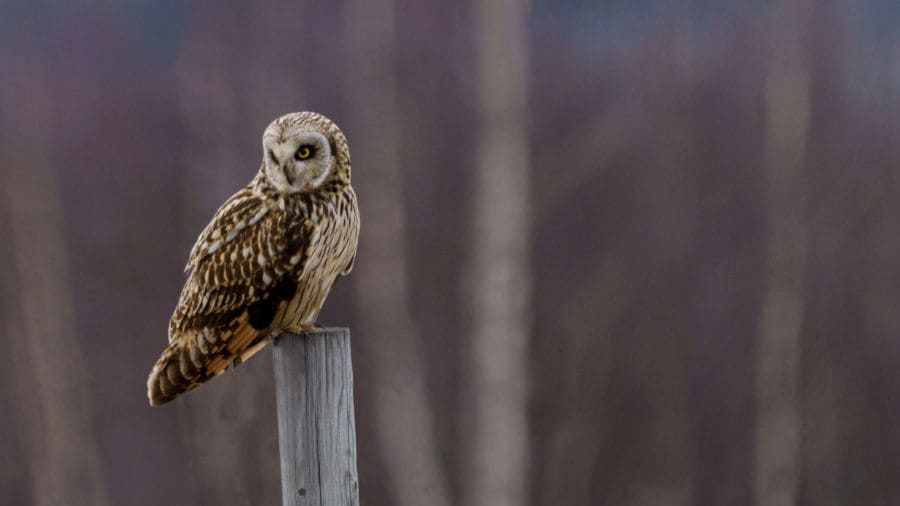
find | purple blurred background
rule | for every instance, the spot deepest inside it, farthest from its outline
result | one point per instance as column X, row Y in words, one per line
column 708, row 265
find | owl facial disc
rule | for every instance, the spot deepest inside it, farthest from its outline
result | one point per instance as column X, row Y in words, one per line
column 296, row 158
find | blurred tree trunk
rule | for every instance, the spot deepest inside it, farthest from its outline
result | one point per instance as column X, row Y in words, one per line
column 783, row 305
column 229, row 424
column 500, row 279
column 581, row 370
column 401, row 402
column 51, row 387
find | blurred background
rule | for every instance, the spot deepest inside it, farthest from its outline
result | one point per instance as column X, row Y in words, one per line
column 613, row 252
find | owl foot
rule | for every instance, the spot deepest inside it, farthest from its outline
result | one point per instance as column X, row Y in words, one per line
column 301, row 328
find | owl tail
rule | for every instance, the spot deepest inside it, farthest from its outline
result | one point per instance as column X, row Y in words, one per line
column 195, row 357
column 175, row 372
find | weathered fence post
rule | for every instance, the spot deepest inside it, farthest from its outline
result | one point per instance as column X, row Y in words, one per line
column 316, row 429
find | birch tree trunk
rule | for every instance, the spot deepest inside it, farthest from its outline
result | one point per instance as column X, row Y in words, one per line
column 500, row 282
column 51, row 382
column 777, row 386
column 404, row 417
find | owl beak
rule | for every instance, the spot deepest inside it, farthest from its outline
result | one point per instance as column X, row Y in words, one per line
column 287, row 173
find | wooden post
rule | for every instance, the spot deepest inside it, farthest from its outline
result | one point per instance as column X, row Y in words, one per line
column 316, row 429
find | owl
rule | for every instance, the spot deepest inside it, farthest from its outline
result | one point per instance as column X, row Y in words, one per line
column 266, row 262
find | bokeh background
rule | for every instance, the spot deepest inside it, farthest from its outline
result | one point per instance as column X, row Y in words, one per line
column 614, row 252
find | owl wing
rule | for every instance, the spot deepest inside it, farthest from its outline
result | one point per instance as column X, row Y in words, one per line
column 240, row 272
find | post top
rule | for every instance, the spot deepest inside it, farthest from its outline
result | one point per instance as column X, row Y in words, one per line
column 319, row 331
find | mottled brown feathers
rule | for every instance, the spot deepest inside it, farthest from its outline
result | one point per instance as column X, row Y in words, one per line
column 263, row 266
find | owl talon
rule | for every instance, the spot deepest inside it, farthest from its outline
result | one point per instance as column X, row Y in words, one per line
column 300, row 328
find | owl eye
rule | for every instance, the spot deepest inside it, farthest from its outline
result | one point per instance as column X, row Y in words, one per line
column 305, row 152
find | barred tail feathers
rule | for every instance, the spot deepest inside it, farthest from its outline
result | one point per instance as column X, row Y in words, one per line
column 174, row 373
column 195, row 357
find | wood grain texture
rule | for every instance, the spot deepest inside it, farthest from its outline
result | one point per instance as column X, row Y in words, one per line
column 316, row 428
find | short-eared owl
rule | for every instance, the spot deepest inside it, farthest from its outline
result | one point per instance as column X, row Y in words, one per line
column 268, row 258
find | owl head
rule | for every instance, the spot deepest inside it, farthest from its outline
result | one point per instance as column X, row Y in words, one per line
column 303, row 150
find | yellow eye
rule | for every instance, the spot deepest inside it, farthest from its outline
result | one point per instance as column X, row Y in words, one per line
column 304, row 152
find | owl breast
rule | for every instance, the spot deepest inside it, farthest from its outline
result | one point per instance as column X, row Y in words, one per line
column 330, row 254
